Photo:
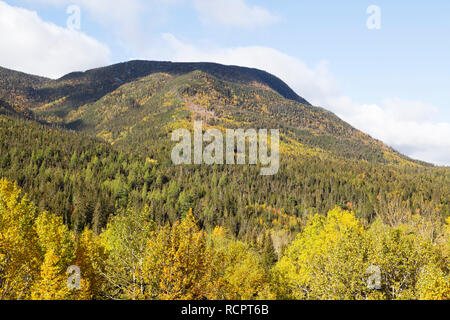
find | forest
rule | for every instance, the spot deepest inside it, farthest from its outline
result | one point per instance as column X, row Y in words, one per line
column 87, row 181
column 135, row 258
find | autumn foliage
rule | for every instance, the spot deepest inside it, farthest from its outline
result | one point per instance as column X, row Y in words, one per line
column 133, row 258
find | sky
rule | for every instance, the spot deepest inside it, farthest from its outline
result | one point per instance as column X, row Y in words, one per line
column 381, row 65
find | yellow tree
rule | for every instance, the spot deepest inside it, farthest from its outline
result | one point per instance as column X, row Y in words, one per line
column 20, row 255
column 446, row 241
column 402, row 253
column 90, row 258
column 328, row 260
column 52, row 283
column 433, row 284
column 59, row 252
column 234, row 272
column 126, row 238
column 176, row 262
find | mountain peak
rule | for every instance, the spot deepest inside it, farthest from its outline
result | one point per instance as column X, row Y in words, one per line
column 131, row 70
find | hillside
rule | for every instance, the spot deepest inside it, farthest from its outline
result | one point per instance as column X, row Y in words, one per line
column 151, row 106
column 60, row 96
column 96, row 188
column 120, row 153
column 19, row 89
column 242, row 94
column 85, row 180
column 108, row 101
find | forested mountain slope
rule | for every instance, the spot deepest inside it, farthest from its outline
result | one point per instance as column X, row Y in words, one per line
column 19, row 89
column 85, row 180
column 144, row 111
column 92, row 153
column 103, row 142
column 76, row 89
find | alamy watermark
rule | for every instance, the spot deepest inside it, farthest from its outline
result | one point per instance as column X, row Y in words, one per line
column 74, row 19
column 374, row 19
column 374, row 280
column 236, row 142
column 74, row 278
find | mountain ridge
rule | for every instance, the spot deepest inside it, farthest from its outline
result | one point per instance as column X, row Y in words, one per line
column 218, row 70
column 77, row 86
column 259, row 95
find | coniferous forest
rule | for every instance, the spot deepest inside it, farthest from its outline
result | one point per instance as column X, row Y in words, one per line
column 87, row 180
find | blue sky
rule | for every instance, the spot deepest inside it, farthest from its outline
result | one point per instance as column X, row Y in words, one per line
column 392, row 83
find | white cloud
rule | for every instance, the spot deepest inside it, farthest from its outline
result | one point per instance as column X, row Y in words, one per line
column 127, row 17
column 122, row 16
column 313, row 83
column 235, row 13
column 29, row 44
column 412, row 127
column 408, row 126
column 134, row 22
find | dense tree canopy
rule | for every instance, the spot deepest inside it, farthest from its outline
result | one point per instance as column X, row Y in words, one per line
column 136, row 259
column 89, row 182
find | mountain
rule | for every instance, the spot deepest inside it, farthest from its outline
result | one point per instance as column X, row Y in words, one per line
column 7, row 109
column 85, row 100
column 90, row 143
column 156, row 100
column 18, row 88
column 129, row 71
column 78, row 88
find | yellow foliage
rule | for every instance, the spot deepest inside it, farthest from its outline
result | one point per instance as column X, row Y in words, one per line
column 56, row 241
column 135, row 259
column 433, row 284
column 401, row 254
column 90, row 257
column 19, row 251
column 328, row 260
column 52, row 284
column 35, row 250
column 235, row 272
column 175, row 262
